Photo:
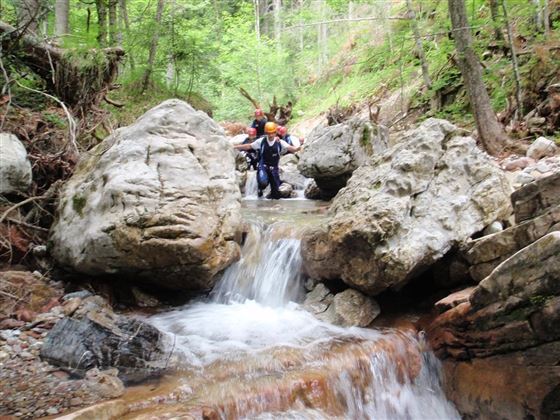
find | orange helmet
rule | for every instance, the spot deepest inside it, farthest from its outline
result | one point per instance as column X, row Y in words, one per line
column 282, row 131
column 270, row 128
column 259, row 112
column 251, row 131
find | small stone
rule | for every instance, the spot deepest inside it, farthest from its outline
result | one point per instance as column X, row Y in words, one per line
column 493, row 227
column 71, row 305
column 524, row 178
column 4, row 355
column 26, row 355
column 52, row 411
column 74, row 402
column 542, row 167
column 542, row 147
column 82, row 294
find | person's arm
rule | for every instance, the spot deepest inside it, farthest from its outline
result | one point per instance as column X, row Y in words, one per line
column 247, row 146
column 286, row 146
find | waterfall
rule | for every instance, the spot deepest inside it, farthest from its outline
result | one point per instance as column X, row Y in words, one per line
column 250, row 350
column 268, row 272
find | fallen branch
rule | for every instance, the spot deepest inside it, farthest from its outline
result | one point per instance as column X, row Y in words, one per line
column 18, row 205
column 112, row 102
column 26, row 225
column 248, row 97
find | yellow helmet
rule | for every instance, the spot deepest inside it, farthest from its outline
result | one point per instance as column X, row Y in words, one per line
column 270, row 128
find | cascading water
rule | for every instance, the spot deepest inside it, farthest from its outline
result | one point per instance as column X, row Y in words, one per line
column 252, row 352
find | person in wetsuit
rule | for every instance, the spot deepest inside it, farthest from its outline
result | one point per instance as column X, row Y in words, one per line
column 288, row 138
column 259, row 122
column 251, row 155
column 270, row 148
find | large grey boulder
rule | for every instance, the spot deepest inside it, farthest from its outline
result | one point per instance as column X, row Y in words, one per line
column 15, row 169
column 156, row 201
column 332, row 153
column 406, row 210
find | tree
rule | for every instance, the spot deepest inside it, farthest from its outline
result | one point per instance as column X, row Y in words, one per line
column 61, row 9
column 101, row 7
column 29, row 14
column 419, row 45
column 494, row 12
column 153, row 47
column 491, row 133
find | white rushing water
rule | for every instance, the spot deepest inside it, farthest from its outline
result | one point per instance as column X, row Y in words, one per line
column 252, row 323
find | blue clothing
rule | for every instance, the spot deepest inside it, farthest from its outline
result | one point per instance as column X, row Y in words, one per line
column 259, row 126
column 268, row 172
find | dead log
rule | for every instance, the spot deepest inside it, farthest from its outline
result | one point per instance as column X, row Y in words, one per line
column 79, row 79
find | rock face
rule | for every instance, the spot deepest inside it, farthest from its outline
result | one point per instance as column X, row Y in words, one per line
column 509, row 328
column 15, row 169
column 157, row 201
column 332, row 153
column 407, row 209
column 95, row 337
column 535, row 198
column 349, row 308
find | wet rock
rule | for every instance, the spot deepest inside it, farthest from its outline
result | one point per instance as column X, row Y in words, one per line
column 542, row 147
column 104, row 383
column 143, row 299
column 398, row 216
column 289, row 172
column 332, row 153
column 82, row 294
column 135, row 205
column 492, row 228
column 95, row 337
column 535, row 198
column 286, row 190
column 312, row 191
column 349, row 308
column 105, row 410
column 524, row 178
column 15, row 168
column 453, row 300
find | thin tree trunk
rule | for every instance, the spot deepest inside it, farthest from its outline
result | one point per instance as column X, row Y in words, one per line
column 419, row 45
column 258, row 36
column 61, row 9
column 492, row 135
column 101, row 22
column 170, row 75
column 546, row 17
column 124, row 17
column 277, row 9
column 538, row 15
column 494, row 12
column 112, row 22
column 153, row 47
column 514, row 63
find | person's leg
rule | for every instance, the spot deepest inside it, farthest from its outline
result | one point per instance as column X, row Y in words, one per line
column 274, row 177
column 262, row 179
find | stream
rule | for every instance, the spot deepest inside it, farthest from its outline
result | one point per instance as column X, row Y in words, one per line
column 250, row 351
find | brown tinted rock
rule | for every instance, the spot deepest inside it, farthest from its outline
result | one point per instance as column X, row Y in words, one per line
column 518, row 385
column 453, row 300
column 536, row 197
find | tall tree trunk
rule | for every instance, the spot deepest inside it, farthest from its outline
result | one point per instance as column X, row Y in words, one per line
column 112, row 22
column 546, row 17
column 277, row 5
column 29, row 14
column 494, row 12
column 514, row 63
column 171, row 74
column 258, row 36
column 124, row 17
column 101, row 7
column 419, row 45
column 61, row 8
column 539, row 21
column 492, row 135
column 153, row 47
